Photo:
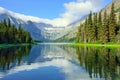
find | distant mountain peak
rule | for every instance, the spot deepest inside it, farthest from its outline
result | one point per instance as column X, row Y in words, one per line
column 21, row 16
column 39, row 28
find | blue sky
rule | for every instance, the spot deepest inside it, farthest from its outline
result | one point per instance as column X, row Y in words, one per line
column 49, row 9
column 41, row 8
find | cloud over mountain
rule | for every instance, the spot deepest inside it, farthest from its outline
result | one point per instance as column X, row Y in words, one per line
column 73, row 11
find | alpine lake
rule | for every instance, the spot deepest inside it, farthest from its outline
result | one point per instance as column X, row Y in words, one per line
column 59, row 61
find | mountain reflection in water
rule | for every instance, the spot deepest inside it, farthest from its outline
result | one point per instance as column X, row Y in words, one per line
column 59, row 62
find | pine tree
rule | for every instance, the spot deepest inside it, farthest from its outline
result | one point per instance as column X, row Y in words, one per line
column 10, row 34
column 9, row 22
column 112, row 24
column 14, row 33
column 95, row 26
column 105, row 28
column 92, row 31
column 78, row 35
column 19, row 34
column 118, row 25
column 28, row 38
column 5, row 23
column 90, row 26
column 100, row 32
column 100, row 28
column 119, row 22
column 82, row 32
column 86, row 31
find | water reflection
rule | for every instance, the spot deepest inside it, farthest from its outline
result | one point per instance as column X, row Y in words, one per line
column 100, row 62
column 9, row 57
column 59, row 62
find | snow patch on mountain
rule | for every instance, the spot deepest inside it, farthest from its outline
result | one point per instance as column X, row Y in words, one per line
column 39, row 28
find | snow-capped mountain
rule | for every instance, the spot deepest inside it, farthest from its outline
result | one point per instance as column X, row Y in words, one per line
column 39, row 28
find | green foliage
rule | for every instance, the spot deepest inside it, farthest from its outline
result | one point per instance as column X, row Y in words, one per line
column 12, row 55
column 100, row 28
column 112, row 24
column 119, row 20
column 105, row 29
column 95, row 26
column 10, row 34
column 117, row 10
column 118, row 37
column 90, row 28
column 100, row 61
column 65, row 40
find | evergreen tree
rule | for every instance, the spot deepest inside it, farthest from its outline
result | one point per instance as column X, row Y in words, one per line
column 118, row 37
column 112, row 24
column 28, row 37
column 105, row 28
column 14, row 33
column 90, row 26
column 82, row 31
column 19, row 33
column 78, row 35
column 9, row 22
column 100, row 32
column 10, row 34
column 5, row 23
column 86, row 31
column 119, row 21
column 118, row 25
column 100, row 27
column 95, row 26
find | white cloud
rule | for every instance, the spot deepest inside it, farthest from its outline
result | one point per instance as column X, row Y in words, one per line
column 74, row 11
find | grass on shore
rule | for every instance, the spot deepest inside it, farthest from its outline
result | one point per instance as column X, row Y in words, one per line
column 9, row 45
column 97, row 44
column 74, row 44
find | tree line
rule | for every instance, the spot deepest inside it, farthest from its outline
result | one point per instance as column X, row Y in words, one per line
column 10, row 34
column 100, row 28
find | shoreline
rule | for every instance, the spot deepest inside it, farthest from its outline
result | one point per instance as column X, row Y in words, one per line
column 10, row 45
column 73, row 44
column 97, row 45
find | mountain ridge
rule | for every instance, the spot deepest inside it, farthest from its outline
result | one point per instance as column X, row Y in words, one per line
column 39, row 29
column 71, row 35
column 44, row 31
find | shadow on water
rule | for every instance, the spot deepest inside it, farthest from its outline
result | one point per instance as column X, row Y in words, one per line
column 59, row 62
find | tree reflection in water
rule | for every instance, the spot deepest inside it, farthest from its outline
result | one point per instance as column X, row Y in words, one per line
column 95, row 62
column 100, row 62
column 12, row 56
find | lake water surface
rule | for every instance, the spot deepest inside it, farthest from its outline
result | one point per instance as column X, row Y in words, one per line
column 59, row 62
